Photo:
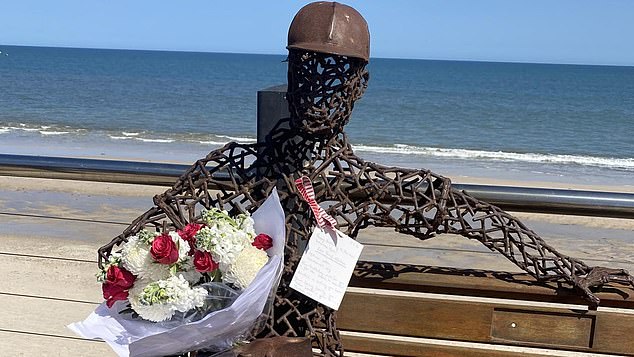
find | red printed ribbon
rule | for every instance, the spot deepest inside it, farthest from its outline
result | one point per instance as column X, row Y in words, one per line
column 305, row 188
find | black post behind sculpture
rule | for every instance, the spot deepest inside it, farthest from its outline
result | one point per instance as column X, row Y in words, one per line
column 272, row 108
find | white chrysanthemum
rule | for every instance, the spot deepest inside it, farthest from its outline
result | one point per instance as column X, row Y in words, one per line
column 246, row 266
column 134, row 255
column 158, row 301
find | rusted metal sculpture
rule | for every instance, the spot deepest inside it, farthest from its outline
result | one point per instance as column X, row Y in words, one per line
column 328, row 51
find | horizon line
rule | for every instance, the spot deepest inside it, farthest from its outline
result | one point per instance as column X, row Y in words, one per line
column 371, row 57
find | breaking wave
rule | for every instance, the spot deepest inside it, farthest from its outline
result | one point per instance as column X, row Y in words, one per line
column 148, row 140
column 614, row 163
column 44, row 132
column 238, row 138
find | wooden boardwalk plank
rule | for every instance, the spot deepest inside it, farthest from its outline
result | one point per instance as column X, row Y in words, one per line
column 40, row 315
column 26, row 235
column 50, row 278
column 28, row 344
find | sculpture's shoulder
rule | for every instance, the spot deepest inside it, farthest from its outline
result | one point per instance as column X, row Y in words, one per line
column 225, row 170
column 395, row 173
column 232, row 158
column 233, row 153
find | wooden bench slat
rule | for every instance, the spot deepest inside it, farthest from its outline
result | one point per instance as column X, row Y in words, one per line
column 411, row 316
column 486, row 320
column 614, row 331
column 547, row 329
column 403, row 346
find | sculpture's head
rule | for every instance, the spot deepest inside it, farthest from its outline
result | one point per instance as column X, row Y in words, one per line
column 329, row 47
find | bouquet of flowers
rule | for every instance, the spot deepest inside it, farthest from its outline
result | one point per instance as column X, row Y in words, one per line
column 207, row 283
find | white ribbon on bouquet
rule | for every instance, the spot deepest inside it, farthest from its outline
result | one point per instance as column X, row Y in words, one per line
column 218, row 329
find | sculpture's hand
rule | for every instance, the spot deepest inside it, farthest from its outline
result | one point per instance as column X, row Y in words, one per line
column 599, row 276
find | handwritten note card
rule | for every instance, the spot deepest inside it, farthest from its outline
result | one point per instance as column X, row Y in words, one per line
column 325, row 269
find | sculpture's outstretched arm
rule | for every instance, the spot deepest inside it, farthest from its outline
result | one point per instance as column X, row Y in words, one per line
column 422, row 204
column 502, row 232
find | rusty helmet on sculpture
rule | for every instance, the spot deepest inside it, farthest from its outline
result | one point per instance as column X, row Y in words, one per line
column 330, row 27
column 329, row 47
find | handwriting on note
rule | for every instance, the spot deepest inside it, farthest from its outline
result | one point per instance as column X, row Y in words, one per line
column 326, row 266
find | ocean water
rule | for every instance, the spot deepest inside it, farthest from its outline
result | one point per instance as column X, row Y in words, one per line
column 564, row 123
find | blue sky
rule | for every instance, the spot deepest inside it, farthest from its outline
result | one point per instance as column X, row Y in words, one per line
column 562, row 31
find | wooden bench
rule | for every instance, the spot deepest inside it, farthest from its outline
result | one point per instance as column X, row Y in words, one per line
column 427, row 311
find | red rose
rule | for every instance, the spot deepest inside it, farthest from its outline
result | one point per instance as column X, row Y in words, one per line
column 118, row 281
column 112, row 293
column 120, row 277
column 164, row 249
column 262, row 241
column 203, row 262
column 189, row 235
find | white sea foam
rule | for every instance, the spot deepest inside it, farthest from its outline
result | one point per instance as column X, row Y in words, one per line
column 238, row 138
column 45, row 129
column 23, row 127
column 129, row 134
column 211, row 142
column 500, row 156
column 4, row 130
column 114, row 137
column 43, row 132
column 146, row 140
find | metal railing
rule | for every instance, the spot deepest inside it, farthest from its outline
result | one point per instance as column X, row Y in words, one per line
column 522, row 199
